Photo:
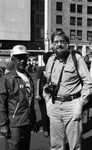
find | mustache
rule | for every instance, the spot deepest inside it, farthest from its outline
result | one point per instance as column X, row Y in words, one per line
column 60, row 47
column 63, row 54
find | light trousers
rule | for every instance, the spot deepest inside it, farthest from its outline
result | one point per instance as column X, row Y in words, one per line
column 62, row 126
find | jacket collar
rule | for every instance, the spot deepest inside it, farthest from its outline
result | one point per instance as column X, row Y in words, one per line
column 14, row 73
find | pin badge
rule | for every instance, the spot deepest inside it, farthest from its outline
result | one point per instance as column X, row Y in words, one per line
column 21, row 86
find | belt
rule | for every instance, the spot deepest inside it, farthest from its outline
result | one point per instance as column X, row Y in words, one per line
column 66, row 98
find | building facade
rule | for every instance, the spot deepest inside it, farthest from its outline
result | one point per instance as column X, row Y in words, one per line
column 72, row 16
column 23, row 21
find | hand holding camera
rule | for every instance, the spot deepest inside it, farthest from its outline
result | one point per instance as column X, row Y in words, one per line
column 52, row 89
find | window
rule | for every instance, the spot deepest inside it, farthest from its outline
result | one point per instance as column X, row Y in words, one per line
column 72, row 20
column 89, row 35
column 79, row 8
column 39, row 33
column 72, row 8
column 39, row 5
column 59, row 6
column 59, row 19
column 42, row 19
column 79, row 21
column 79, row 34
column 72, row 34
column 58, row 29
column 89, row 10
column 89, row 22
column 37, row 19
column 36, row 7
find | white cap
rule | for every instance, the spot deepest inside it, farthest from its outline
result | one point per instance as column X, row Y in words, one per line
column 18, row 50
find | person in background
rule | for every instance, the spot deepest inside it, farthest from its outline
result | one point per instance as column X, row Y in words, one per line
column 1, row 72
column 17, row 113
column 34, row 65
column 29, row 65
column 64, row 94
column 41, row 81
column 9, row 66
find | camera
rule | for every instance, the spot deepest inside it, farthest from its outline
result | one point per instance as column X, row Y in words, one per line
column 51, row 89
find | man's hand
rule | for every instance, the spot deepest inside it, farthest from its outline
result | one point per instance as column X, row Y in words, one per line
column 48, row 103
column 34, row 127
column 77, row 110
column 5, row 131
column 37, row 97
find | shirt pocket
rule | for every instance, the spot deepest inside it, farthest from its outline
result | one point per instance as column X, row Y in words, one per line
column 69, row 69
column 69, row 73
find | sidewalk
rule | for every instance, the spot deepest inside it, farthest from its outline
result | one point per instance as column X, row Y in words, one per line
column 39, row 142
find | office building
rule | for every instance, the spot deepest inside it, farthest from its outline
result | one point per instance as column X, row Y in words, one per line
column 23, row 21
column 72, row 16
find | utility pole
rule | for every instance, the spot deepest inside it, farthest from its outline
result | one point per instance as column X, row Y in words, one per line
column 47, row 26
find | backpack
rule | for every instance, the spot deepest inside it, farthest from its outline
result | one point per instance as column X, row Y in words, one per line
column 73, row 54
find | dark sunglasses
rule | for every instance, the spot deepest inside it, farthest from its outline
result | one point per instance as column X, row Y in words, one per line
column 21, row 57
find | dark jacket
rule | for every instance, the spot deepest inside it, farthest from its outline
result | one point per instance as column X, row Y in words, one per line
column 14, row 105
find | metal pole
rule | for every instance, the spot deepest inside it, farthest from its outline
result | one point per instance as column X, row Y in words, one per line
column 47, row 25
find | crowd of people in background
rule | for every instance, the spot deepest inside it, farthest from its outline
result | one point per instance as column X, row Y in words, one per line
column 32, row 64
column 61, row 108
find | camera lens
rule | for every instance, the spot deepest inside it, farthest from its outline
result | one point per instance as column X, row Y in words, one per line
column 47, row 90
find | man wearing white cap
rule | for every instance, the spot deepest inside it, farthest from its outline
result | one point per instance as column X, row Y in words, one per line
column 17, row 111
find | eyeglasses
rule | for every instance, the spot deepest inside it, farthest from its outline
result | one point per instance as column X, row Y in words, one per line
column 59, row 41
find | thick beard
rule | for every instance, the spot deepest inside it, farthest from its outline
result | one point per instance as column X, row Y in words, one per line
column 63, row 54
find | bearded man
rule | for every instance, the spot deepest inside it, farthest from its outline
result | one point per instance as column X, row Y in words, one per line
column 65, row 103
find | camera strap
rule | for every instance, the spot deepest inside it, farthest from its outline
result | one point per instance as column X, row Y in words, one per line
column 52, row 68
column 60, row 73
column 58, row 85
column 60, row 78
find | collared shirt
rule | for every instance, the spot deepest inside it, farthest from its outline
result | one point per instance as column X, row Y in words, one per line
column 70, row 82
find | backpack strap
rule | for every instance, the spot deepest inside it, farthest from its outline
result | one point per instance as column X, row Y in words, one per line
column 73, row 54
